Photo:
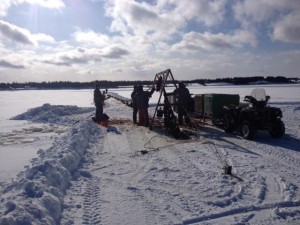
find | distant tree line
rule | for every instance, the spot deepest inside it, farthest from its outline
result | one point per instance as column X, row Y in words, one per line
column 115, row 84
column 71, row 85
column 247, row 80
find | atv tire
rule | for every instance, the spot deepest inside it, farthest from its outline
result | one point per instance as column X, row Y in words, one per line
column 277, row 129
column 227, row 125
column 247, row 130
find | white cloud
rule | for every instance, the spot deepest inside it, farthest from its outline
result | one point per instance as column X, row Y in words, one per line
column 12, row 59
column 91, row 38
column 193, row 42
column 248, row 11
column 162, row 20
column 116, row 46
column 43, row 38
column 109, row 47
column 279, row 16
column 10, row 65
column 4, row 6
column 52, row 4
column 16, row 34
column 139, row 19
column 22, row 36
column 83, row 56
column 209, row 13
column 114, row 51
column 72, row 57
column 231, row 64
column 288, row 29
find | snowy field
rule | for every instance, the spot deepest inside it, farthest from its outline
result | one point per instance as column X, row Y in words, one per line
column 58, row 167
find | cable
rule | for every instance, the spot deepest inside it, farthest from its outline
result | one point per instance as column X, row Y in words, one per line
column 152, row 149
column 226, row 167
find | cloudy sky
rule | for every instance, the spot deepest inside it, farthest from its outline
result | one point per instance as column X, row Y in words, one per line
column 86, row 40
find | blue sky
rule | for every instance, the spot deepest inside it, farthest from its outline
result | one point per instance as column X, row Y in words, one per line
column 86, row 40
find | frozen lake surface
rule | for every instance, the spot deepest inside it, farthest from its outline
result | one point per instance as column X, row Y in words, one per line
column 182, row 183
column 16, row 102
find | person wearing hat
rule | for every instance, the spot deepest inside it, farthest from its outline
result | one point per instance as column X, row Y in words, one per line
column 142, row 100
column 99, row 102
column 134, row 104
column 183, row 99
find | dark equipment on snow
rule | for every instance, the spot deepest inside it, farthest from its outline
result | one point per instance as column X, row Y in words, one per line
column 228, row 169
column 256, row 116
column 170, row 120
column 104, row 117
column 210, row 106
column 160, row 112
column 143, row 152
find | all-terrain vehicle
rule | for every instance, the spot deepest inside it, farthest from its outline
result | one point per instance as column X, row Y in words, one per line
column 254, row 116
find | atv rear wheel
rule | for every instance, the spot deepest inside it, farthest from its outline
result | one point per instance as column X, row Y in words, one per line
column 247, row 130
column 277, row 129
column 227, row 125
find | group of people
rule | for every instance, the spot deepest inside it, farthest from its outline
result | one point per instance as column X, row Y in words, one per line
column 140, row 100
column 140, row 104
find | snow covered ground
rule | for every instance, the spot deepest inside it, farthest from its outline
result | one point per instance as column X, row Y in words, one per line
column 83, row 173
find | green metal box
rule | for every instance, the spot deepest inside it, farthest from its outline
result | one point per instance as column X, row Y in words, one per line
column 213, row 103
column 199, row 103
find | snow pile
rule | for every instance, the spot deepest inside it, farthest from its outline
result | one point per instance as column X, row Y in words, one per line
column 36, row 197
column 56, row 114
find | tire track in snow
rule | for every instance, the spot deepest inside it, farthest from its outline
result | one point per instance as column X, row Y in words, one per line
column 155, row 200
column 91, row 203
column 241, row 210
column 119, row 174
column 181, row 200
column 265, row 182
column 274, row 187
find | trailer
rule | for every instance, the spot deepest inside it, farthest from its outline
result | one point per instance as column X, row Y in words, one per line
column 209, row 106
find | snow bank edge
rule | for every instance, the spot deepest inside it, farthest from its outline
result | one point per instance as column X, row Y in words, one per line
column 36, row 197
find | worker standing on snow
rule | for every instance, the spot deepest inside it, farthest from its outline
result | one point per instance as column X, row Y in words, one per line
column 142, row 100
column 99, row 102
column 134, row 104
column 183, row 99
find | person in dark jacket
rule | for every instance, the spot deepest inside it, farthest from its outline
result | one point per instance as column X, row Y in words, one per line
column 183, row 99
column 142, row 100
column 134, row 104
column 99, row 102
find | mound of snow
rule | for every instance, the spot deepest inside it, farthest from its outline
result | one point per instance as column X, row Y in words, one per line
column 57, row 114
column 36, row 197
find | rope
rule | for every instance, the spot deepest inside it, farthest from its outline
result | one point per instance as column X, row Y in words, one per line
column 215, row 150
column 213, row 147
column 227, row 168
column 149, row 148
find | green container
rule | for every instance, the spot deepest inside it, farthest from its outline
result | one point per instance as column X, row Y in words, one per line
column 213, row 103
column 199, row 103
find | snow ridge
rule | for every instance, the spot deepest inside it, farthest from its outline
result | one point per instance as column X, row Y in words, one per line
column 39, row 191
column 56, row 114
